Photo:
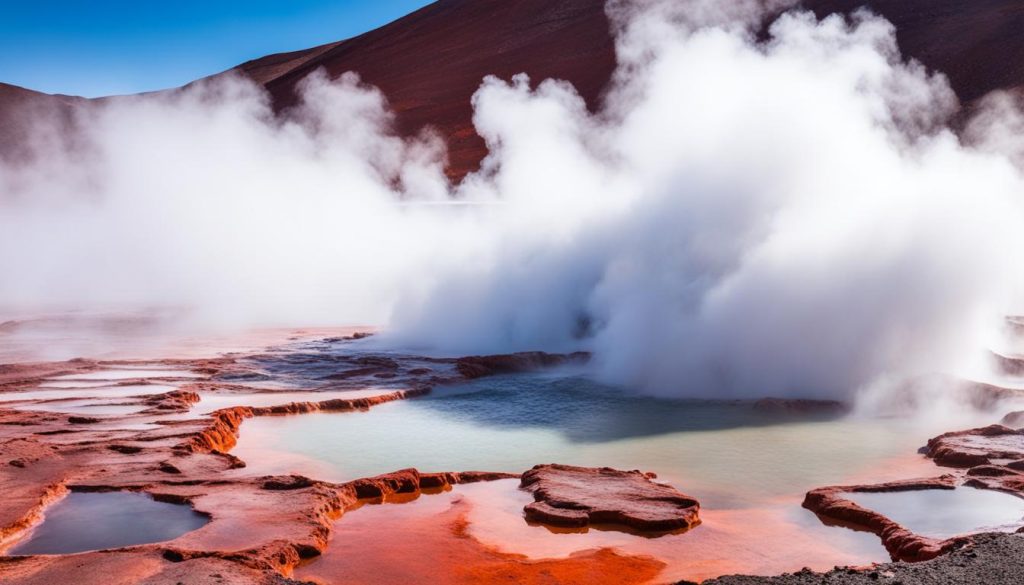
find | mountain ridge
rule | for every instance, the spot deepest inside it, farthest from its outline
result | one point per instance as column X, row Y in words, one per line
column 430, row 62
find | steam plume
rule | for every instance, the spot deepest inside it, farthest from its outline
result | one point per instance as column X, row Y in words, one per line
column 743, row 217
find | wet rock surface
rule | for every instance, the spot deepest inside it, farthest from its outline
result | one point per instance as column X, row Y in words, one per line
column 581, row 496
column 801, row 406
column 480, row 366
column 989, row 559
column 973, row 447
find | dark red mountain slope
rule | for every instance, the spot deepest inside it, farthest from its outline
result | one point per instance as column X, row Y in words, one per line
column 979, row 44
column 430, row 62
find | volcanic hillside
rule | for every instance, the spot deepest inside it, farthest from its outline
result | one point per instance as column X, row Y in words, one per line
column 430, row 62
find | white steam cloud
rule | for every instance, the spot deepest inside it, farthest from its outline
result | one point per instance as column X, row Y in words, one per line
column 742, row 218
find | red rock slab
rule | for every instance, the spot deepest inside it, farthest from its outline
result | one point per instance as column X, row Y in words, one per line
column 831, row 504
column 580, row 496
column 975, row 447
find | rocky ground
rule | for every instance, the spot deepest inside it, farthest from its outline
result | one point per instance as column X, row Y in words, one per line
column 989, row 559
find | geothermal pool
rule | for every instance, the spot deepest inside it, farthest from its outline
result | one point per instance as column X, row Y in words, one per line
column 96, row 521
column 723, row 452
column 749, row 469
column 946, row 513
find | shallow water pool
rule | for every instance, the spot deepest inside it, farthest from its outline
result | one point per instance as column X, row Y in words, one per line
column 726, row 453
column 749, row 469
column 97, row 521
column 941, row 513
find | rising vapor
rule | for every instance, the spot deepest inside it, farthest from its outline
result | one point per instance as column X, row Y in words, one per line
column 747, row 214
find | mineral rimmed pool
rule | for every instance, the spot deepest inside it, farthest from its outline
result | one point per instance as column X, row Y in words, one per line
column 748, row 468
column 939, row 513
column 726, row 452
column 96, row 521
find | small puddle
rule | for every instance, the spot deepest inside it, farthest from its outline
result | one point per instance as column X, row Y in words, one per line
column 940, row 513
column 96, row 521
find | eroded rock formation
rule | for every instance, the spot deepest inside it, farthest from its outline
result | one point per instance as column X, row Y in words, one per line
column 580, row 496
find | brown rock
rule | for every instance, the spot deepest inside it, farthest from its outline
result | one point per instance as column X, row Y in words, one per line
column 472, row 367
column 579, row 496
column 288, row 482
column 173, row 401
column 975, row 447
column 83, row 420
column 801, row 406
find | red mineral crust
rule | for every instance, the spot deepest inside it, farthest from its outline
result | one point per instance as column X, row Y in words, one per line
column 580, row 496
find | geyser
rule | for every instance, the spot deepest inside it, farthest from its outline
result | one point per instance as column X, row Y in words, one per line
column 746, row 214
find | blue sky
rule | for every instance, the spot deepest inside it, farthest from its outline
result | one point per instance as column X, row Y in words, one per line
column 94, row 48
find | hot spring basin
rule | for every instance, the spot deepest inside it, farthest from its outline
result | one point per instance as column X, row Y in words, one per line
column 945, row 513
column 96, row 521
